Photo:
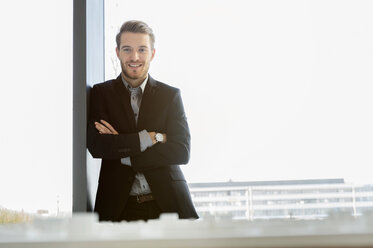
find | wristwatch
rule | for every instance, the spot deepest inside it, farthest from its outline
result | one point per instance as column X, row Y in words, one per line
column 159, row 137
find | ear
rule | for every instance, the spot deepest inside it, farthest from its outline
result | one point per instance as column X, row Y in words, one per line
column 117, row 51
column 153, row 53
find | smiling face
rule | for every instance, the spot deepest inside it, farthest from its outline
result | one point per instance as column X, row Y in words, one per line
column 135, row 54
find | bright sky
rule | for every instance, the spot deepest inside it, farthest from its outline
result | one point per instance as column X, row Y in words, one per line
column 272, row 89
column 36, row 104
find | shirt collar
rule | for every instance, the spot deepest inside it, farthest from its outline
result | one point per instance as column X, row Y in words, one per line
column 142, row 85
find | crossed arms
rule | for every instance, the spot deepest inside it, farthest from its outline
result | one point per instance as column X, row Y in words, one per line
column 103, row 127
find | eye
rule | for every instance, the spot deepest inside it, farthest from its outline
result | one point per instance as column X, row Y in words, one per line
column 142, row 50
column 126, row 49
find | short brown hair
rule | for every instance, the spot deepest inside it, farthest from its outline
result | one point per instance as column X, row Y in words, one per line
column 136, row 27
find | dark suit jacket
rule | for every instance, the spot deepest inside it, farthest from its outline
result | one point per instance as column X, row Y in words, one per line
column 161, row 111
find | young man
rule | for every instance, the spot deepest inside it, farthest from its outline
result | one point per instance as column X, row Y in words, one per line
column 138, row 127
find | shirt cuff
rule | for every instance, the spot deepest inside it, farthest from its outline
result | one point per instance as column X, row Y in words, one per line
column 126, row 161
column 145, row 140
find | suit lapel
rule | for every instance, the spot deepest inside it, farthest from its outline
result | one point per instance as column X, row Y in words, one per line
column 148, row 99
column 125, row 101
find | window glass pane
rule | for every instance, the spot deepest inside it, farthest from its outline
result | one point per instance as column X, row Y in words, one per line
column 36, row 106
column 273, row 90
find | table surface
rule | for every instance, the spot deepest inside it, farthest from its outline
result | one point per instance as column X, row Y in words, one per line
column 86, row 231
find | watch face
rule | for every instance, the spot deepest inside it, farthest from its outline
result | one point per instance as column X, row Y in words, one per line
column 159, row 137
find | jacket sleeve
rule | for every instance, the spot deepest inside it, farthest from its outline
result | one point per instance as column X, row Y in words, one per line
column 177, row 148
column 107, row 146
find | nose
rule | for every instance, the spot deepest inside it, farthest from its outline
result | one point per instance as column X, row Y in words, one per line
column 134, row 56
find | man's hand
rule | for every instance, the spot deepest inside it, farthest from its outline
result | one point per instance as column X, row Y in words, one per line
column 152, row 136
column 105, row 128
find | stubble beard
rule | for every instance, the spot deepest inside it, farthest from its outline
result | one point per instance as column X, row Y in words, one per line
column 134, row 81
